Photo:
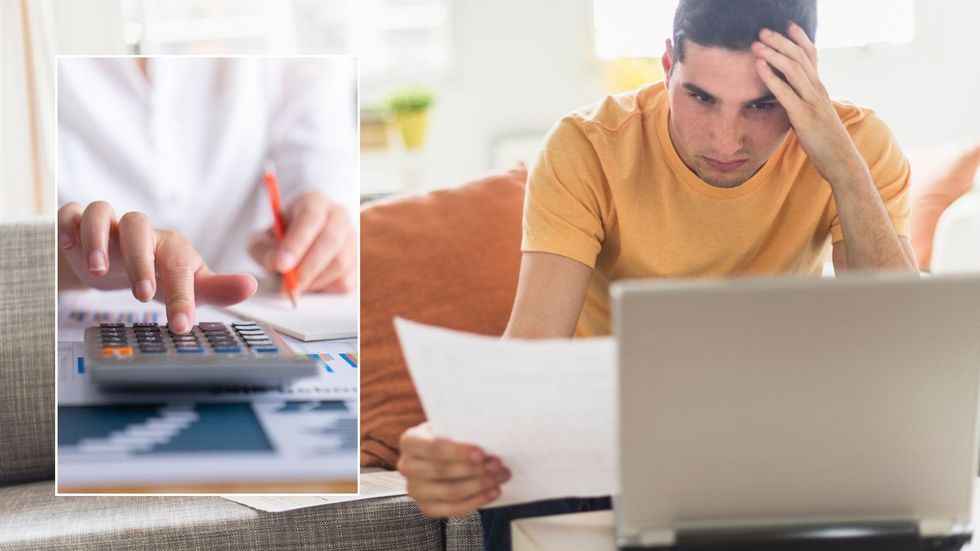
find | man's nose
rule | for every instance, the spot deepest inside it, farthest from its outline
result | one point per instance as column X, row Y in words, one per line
column 728, row 136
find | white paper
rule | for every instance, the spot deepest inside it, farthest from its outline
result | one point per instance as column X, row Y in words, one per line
column 373, row 485
column 545, row 407
column 318, row 316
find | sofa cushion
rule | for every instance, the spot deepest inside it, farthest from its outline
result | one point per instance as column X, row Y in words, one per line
column 31, row 517
column 940, row 175
column 27, row 350
column 448, row 258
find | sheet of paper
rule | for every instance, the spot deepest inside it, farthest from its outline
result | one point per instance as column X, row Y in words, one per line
column 372, row 485
column 545, row 407
column 318, row 316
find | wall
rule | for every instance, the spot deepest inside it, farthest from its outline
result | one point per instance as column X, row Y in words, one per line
column 519, row 65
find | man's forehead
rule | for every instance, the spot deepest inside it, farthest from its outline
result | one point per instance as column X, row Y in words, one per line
column 728, row 75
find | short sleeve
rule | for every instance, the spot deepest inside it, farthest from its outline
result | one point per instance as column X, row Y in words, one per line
column 563, row 210
column 889, row 170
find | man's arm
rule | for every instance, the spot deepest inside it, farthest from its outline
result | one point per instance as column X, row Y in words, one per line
column 841, row 261
column 550, row 293
column 872, row 242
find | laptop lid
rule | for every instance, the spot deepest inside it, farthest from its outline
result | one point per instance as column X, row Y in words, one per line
column 796, row 402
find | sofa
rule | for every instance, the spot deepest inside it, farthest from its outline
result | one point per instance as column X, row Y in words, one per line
column 32, row 517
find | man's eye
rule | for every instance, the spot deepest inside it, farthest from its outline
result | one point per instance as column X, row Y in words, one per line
column 701, row 97
column 762, row 106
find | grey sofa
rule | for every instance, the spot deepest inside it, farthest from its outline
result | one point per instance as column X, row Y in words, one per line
column 32, row 517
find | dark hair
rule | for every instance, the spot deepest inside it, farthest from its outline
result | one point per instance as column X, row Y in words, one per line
column 735, row 24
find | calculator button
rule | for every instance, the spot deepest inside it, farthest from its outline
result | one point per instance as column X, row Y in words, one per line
column 227, row 349
column 146, row 330
column 112, row 325
column 184, row 338
column 189, row 350
column 229, row 342
column 114, row 344
column 253, row 344
column 111, row 351
column 212, row 326
column 244, row 324
column 267, row 349
column 143, row 325
column 187, row 344
column 153, row 349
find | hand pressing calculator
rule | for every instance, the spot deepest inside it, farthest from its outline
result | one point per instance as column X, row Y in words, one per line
column 212, row 354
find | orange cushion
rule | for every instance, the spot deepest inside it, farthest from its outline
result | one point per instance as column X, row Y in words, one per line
column 939, row 177
column 448, row 258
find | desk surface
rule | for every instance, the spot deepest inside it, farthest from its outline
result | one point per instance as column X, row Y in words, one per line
column 594, row 531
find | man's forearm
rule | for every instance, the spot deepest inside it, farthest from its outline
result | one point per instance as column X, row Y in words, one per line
column 872, row 243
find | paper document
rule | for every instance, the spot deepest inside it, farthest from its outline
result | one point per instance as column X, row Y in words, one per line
column 545, row 407
column 373, row 485
column 318, row 316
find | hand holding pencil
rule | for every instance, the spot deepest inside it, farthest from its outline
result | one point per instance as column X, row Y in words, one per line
column 311, row 243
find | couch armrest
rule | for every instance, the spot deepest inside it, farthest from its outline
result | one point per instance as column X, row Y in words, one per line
column 27, row 350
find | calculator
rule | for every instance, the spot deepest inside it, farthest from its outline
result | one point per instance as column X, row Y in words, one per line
column 212, row 354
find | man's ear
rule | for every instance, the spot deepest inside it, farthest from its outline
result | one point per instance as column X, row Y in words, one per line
column 666, row 61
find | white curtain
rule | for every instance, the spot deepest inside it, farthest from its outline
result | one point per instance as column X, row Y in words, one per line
column 27, row 108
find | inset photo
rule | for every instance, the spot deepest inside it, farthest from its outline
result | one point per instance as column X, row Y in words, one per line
column 207, row 275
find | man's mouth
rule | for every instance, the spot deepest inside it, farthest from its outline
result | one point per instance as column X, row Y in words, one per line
column 725, row 166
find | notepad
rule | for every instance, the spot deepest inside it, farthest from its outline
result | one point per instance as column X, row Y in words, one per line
column 318, row 316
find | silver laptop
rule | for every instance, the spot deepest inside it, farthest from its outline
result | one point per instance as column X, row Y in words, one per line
column 797, row 410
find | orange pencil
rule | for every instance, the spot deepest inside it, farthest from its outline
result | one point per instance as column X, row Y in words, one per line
column 272, row 186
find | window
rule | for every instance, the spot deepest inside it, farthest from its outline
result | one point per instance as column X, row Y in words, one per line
column 638, row 28
column 391, row 36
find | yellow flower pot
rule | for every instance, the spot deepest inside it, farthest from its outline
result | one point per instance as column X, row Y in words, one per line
column 413, row 126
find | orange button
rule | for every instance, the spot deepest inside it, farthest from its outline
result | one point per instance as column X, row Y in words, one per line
column 127, row 351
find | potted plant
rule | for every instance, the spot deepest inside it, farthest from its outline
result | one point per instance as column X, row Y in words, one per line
column 410, row 108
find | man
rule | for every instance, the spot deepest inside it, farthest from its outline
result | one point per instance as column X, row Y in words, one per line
column 738, row 164
column 181, row 143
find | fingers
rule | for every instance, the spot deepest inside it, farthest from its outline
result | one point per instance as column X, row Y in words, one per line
column 222, row 289
column 176, row 262
column 333, row 257
column 784, row 93
column 262, row 248
column 137, row 241
column 97, row 222
column 798, row 35
column 438, row 509
column 796, row 74
column 303, row 228
column 69, row 222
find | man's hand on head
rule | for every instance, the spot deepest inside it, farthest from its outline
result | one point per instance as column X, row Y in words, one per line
column 129, row 253
column 320, row 243
column 807, row 103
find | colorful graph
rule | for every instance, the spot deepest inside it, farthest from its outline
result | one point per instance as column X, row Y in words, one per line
column 331, row 363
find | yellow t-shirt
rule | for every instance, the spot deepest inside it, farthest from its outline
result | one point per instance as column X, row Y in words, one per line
column 610, row 191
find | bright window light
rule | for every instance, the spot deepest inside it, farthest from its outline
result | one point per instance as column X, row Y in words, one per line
column 850, row 24
column 638, row 28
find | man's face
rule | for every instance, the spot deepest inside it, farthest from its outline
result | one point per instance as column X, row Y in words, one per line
column 724, row 121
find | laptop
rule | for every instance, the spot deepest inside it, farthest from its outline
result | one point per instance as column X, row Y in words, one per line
column 797, row 413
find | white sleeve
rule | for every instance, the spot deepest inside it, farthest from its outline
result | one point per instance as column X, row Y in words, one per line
column 313, row 128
